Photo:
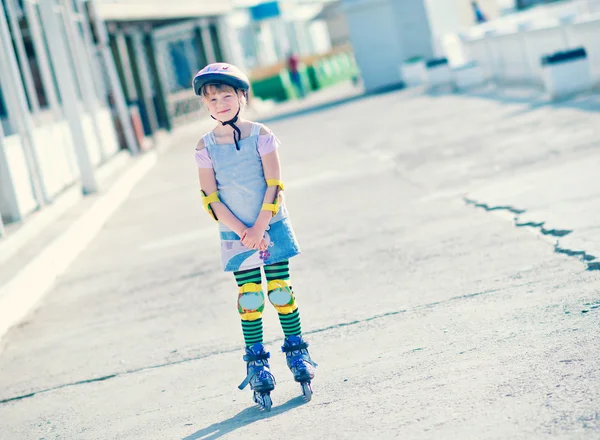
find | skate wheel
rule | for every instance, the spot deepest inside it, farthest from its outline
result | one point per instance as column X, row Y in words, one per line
column 267, row 403
column 307, row 391
column 263, row 401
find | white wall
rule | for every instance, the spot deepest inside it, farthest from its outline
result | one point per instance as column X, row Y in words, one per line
column 587, row 34
column 444, row 18
column 413, row 28
column 319, row 39
column 18, row 172
column 449, row 16
column 384, row 33
column 56, row 155
column 54, row 149
column 337, row 25
column 377, row 50
column 514, row 57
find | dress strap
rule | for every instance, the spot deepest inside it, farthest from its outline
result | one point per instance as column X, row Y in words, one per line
column 208, row 139
column 255, row 129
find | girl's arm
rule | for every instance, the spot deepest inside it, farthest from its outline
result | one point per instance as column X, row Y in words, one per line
column 208, row 184
column 272, row 170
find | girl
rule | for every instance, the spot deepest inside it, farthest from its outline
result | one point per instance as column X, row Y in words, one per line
column 241, row 187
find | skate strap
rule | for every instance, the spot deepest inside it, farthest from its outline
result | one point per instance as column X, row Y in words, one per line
column 257, row 357
column 252, row 371
column 290, row 348
column 246, row 381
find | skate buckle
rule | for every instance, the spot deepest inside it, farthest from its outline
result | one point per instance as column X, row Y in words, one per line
column 290, row 348
column 256, row 357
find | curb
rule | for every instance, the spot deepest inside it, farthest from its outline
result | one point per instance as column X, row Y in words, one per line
column 38, row 221
column 22, row 293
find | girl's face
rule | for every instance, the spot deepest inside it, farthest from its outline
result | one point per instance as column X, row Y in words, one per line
column 222, row 102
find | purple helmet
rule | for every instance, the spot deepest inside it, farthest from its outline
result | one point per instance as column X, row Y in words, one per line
column 221, row 73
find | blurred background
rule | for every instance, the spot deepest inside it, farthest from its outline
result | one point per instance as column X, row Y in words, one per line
column 82, row 80
column 441, row 161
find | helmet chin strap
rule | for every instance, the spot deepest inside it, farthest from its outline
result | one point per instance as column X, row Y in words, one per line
column 236, row 130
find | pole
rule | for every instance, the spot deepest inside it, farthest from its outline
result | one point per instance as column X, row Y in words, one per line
column 83, row 72
column 19, row 116
column 23, row 60
column 90, row 51
column 37, row 38
column 66, row 84
column 115, row 85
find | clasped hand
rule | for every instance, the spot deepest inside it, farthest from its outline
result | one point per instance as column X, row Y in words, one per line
column 254, row 238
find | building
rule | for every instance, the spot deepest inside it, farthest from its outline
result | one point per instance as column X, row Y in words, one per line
column 384, row 33
column 74, row 73
column 60, row 103
column 337, row 25
column 157, row 51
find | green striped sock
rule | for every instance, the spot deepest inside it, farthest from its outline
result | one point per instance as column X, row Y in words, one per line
column 290, row 323
column 277, row 271
column 253, row 331
column 247, row 276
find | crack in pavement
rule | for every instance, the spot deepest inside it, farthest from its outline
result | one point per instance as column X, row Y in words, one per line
column 489, row 208
column 233, row 350
column 581, row 255
column 58, row 387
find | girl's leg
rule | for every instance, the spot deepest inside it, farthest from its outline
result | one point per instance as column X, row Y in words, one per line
column 251, row 303
column 294, row 346
column 281, row 296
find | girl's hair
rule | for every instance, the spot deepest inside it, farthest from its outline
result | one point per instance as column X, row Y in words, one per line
column 212, row 88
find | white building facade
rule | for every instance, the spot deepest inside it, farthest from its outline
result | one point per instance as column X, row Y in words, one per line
column 56, row 80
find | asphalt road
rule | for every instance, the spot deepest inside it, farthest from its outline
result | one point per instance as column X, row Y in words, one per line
column 429, row 317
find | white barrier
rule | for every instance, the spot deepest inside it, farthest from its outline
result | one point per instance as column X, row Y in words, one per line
column 468, row 76
column 438, row 73
column 566, row 74
column 413, row 73
column 514, row 56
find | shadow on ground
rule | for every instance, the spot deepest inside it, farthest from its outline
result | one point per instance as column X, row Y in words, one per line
column 241, row 419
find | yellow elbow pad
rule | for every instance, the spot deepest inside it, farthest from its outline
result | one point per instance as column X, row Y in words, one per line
column 207, row 200
column 275, row 182
column 274, row 207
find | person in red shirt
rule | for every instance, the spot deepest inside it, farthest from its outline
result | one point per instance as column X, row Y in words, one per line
column 292, row 64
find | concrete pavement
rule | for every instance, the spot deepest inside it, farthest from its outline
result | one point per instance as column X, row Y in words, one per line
column 428, row 318
column 559, row 197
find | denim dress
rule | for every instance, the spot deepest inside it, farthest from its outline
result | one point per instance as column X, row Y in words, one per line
column 242, row 186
